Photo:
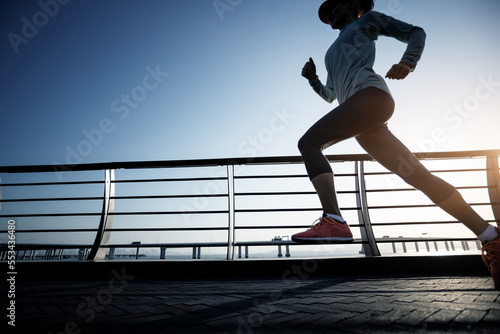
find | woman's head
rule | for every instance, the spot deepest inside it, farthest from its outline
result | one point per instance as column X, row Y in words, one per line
column 355, row 7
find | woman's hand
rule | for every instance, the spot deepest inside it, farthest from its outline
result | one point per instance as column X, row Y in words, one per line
column 399, row 71
column 309, row 70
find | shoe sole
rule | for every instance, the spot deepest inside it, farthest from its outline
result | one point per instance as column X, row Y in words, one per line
column 326, row 240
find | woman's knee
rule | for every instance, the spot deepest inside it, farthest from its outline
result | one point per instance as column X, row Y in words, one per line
column 305, row 144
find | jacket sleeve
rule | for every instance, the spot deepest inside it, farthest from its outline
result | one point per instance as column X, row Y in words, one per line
column 326, row 92
column 412, row 35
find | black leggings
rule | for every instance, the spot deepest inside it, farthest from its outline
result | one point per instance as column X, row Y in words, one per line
column 364, row 116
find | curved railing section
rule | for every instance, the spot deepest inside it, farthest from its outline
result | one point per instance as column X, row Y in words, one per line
column 233, row 208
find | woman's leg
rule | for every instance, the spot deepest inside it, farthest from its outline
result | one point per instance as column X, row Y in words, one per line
column 384, row 147
column 365, row 110
column 325, row 188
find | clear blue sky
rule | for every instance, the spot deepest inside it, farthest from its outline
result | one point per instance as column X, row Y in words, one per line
column 123, row 80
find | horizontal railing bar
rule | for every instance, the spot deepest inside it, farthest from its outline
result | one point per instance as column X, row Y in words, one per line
column 147, row 164
column 166, row 229
column 69, row 214
column 100, row 198
column 280, row 227
column 291, row 243
column 168, row 245
column 424, row 223
column 275, row 227
column 114, row 213
column 55, row 199
column 224, row 244
column 173, row 180
column 275, row 243
column 214, row 195
column 288, row 210
column 168, row 196
column 50, row 199
column 228, row 161
column 283, row 176
column 54, row 230
column 116, row 181
column 390, row 240
column 266, row 227
column 50, row 183
column 413, row 189
column 457, row 154
column 250, row 177
column 277, row 210
column 146, row 213
column 290, row 193
column 434, row 171
column 416, row 223
column 45, row 246
column 417, row 206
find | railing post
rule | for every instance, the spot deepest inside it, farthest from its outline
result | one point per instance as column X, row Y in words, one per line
column 370, row 247
column 493, row 177
column 111, row 253
column 138, row 243
column 102, row 237
column 231, row 213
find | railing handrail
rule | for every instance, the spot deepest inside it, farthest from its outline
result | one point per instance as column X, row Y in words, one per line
column 226, row 162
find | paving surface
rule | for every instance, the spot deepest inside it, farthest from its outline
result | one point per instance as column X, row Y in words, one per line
column 293, row 304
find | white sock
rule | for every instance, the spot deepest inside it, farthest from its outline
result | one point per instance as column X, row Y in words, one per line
column 489, row 234
column 337, row 218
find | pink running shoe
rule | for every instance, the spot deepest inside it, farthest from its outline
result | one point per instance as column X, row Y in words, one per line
column 491, row 258
column 326, row 230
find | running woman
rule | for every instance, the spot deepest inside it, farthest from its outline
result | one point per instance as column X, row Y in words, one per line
column 365, row 107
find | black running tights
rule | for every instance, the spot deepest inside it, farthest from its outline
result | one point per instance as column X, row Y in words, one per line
column 364, row 116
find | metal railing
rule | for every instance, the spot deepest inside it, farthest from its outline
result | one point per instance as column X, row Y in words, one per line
column 238, row 202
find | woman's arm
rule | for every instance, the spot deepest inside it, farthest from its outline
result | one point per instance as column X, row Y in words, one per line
column 412, row 35
column 326, row 92
column 416, row 44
